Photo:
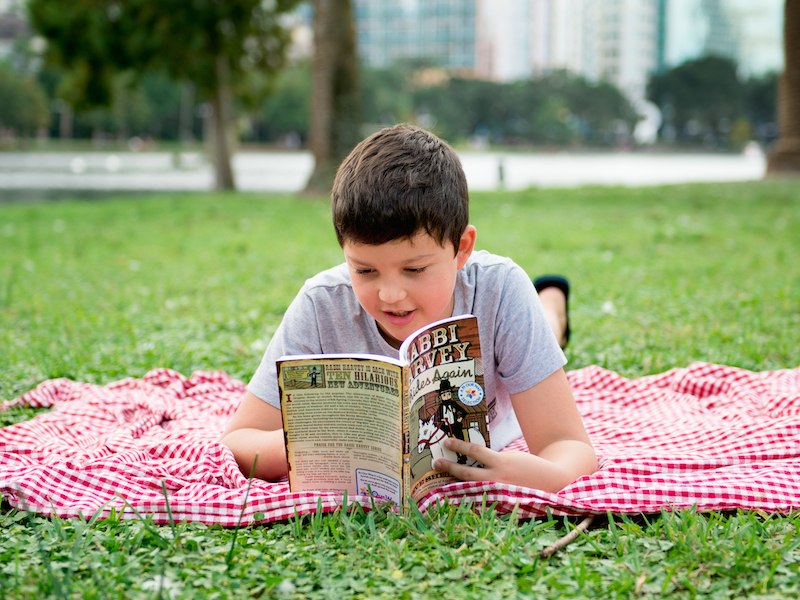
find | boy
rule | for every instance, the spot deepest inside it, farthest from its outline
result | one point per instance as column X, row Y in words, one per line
column 400, row 210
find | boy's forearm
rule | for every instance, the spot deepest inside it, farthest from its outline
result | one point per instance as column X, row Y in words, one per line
column 560, row 464
column 267, row 445
column 556, row 466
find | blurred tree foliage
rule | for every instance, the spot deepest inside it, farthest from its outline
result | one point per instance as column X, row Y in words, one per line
column 706, row 100
column 558, row 110
column 144, row 106
column 283, row 115
column 23, row 104
column 148, row 106
column 214, row 45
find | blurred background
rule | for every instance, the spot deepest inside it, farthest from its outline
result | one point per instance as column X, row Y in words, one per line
column 270, row 94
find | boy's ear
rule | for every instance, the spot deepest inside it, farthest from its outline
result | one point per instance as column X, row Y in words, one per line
column 466, row 245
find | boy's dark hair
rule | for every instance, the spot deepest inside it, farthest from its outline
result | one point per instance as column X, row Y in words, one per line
column 397, row 182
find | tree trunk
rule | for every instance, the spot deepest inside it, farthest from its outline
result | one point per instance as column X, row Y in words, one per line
column 187, row 113
column 221, row 119
column 65, row 121
column 335, row 107
column 785, row 157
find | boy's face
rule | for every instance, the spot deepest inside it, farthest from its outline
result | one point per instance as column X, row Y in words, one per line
column 407, row 284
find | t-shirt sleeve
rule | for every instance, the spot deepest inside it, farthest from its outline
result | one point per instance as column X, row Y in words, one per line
column 298, row 333
column 526, row 349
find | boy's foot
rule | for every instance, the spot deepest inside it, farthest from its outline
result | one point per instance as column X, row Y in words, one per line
column 553, row 291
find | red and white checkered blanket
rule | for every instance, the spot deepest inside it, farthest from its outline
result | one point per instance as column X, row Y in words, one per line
column 707, row 436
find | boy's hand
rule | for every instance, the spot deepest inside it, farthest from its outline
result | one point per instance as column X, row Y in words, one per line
column 496, row 466
column 560, row 449
column 565, row 461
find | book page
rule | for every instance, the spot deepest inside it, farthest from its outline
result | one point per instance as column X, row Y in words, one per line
column 343, row 425
column 447, row 399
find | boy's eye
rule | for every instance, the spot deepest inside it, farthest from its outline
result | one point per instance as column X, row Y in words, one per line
column 362, row 271
column 416, row 270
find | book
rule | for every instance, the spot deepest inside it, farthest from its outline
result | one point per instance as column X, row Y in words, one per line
column 369, row 424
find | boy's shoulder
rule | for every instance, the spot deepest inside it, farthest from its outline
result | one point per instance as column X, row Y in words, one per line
column 330, row 291
column 485, row 265
column 334, row 277
column 489, row 279
column 487, row 259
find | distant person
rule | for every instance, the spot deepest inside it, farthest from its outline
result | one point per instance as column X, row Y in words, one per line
column 400, row 211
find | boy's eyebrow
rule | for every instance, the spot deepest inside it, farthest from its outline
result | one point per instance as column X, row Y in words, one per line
column 411, row 260
column 419, row 257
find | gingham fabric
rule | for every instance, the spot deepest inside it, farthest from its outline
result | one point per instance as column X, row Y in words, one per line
column 708, row 437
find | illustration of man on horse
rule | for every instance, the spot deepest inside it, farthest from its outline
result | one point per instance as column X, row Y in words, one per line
column 451, row 415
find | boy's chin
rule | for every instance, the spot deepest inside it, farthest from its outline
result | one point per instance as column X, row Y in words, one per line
column 394, row 337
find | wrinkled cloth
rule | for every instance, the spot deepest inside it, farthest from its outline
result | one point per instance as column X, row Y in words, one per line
column 707, row 437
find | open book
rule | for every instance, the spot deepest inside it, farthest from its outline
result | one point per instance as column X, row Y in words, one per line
column 363, row 423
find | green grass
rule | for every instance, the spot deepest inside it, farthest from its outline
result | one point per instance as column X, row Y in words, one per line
column 100, row 290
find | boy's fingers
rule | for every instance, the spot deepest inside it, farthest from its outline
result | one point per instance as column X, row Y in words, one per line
column 463, row 472
column 480, row 453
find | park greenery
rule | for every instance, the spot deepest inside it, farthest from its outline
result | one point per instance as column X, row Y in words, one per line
column 704, row 102
column 23, row 104
column 216, row 47
column 706, row 99
column 99, row 290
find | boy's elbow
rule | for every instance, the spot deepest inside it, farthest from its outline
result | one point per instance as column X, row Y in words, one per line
column 585, row 462
column 577, row 460
column 258, row 453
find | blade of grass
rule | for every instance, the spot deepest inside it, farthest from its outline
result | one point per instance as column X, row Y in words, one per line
column 241, row 514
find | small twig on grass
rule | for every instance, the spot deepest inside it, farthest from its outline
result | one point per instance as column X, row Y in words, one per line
column 559, row 544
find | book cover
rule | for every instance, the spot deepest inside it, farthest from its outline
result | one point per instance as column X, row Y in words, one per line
column 369, row 424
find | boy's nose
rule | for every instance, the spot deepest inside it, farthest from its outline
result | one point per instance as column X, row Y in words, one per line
column 391, row 293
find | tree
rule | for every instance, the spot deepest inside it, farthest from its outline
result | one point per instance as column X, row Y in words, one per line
column 702, row 96
column 558, row 109
column 209, row 43
column 785, row 158
column 285, row 111
column 761, row 98
column 335, row 115
column 23, row 105
column 386, row 95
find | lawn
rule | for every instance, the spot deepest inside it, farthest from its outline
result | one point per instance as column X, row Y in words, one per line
column 104, row 289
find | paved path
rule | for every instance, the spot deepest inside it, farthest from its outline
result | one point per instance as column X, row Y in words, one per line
column 288, row 171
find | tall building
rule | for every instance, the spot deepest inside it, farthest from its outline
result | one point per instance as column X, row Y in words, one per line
column 507, row 40
column 749, row 32
column 608, row 40
column 504, row 39
column 442, row 31
column 628, row 44
column 620, row 41
column 12, row 25
column 573, row 32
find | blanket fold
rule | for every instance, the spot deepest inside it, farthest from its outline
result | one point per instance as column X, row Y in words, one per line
column 707, row 436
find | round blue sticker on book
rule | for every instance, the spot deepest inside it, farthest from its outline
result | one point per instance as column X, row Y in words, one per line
column 470, row 393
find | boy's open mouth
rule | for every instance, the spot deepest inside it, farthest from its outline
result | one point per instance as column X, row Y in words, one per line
column 400, row 318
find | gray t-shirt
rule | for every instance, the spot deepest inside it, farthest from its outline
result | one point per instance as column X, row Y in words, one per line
column 518, row 347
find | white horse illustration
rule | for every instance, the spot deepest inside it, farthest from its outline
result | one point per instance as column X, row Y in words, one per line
column 432, row 436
